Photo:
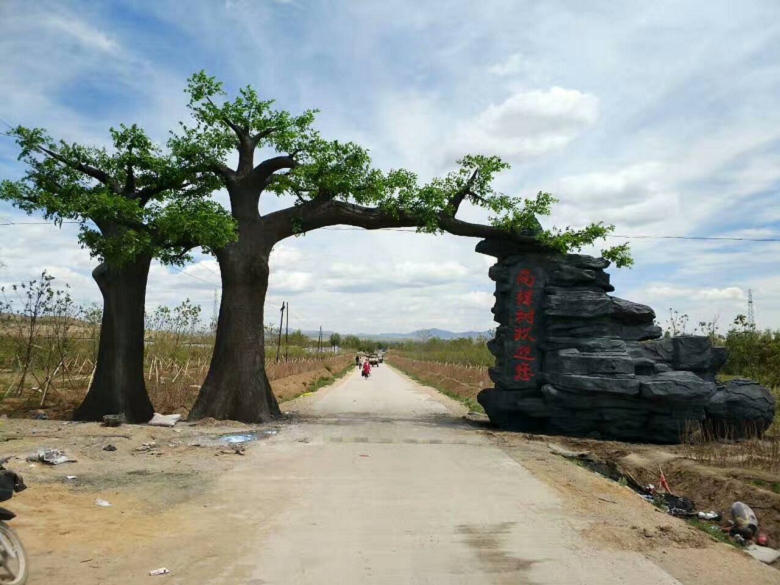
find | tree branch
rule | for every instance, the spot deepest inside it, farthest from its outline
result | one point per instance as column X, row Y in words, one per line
column 262, row 172
column 88, row 170
column 262, row 134
column 462, row 193
column 228, row 122
column 146, row 194
column 317, row 214
column 130, row 181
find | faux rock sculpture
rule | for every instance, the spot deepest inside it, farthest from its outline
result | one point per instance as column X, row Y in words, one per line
column 572, row 359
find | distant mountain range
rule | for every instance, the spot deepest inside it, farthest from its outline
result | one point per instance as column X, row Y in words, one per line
column 419, row 334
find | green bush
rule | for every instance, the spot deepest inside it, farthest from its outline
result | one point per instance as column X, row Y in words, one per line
column 753, row 354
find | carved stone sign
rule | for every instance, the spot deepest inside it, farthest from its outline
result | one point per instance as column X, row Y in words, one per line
column 572, row 359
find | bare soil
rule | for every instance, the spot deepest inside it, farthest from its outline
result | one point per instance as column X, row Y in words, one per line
column 153, row 481
column 615, row 517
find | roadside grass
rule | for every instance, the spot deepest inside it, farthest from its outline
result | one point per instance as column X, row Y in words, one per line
column 713, row 530
column 772, row 486
column 459, row 382
column 324, row 381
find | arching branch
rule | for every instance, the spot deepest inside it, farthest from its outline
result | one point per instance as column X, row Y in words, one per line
column 263, row 171
column 88, row 170
column 317, row 214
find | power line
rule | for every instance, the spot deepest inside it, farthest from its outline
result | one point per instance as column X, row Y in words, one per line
column 705, row 238
column 176, row 268
column 33, row 222
column 202, row 265
column 643, row 237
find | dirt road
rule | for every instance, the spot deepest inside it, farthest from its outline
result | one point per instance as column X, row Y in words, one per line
column 380, row 481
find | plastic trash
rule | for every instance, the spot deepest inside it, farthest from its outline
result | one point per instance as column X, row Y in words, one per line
column 50, row 457
column 164, row 420
column 709, row 515
column 161, row 571
column 70, row 477
column 102, row 503
column 240, row 438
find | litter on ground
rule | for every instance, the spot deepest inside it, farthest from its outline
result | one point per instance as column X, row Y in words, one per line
column 161, row 571
column 164, row 420
column 50, row 457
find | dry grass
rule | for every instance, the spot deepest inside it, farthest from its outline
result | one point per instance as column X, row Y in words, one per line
column 457, row 381
column 173, row 386
column 727, row 450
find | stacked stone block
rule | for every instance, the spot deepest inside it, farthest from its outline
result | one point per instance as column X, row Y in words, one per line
column 572, row 359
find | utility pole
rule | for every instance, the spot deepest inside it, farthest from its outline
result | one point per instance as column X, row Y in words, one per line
column 319, row 341
column 287, row 334
column 279, row 343
column 751, row 316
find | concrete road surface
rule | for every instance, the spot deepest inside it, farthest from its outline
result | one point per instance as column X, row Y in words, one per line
column 381, row 483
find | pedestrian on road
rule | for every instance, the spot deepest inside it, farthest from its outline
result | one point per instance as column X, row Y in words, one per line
column 357, row 361
column 366, row 369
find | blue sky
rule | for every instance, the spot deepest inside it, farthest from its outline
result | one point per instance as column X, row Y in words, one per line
column 661, row 118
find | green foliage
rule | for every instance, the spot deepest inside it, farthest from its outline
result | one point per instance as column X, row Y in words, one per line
column 351, row 341
column 132, row 199
column 464, row 351
column 753, row 354
column 331, row 170
column 212, row 138
column 335, row 340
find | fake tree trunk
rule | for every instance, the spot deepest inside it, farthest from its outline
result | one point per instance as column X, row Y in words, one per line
column 118, row 384
column 237, row 387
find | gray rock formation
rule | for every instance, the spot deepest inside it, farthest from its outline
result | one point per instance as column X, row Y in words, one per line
column 572, row 359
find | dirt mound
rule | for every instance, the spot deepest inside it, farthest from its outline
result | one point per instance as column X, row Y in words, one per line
column 709, row 487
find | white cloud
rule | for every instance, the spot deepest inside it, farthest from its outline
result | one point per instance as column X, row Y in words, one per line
column 731, row 293
column 367, row 276
column 513, row 65
column 285, row 282
column 484, row 300
column 88, row 36
column 528, row 124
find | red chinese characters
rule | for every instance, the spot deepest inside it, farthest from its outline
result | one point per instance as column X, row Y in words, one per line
column 523, row 333
column 524, row 298
column 523, row 372
column 526, row 278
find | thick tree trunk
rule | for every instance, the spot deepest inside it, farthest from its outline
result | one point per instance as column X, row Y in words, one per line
column 118, row 384
column 236, row 386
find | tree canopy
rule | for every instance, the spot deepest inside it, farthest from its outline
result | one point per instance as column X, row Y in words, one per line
column 335, row 181
column 130, row 200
